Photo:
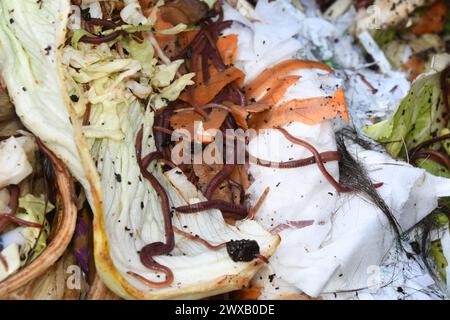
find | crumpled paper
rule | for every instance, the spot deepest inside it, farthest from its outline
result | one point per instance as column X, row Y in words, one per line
column 360, row 235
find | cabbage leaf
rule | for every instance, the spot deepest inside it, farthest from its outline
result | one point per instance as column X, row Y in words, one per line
column 101, row 154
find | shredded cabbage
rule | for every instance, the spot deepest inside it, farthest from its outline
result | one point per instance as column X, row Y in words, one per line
column 101, row 153
column 132, row 13
column 142, row 52
column 165, row 74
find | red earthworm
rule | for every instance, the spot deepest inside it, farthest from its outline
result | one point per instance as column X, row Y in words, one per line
column 255, row 208
column 153, row 284
column 325, row 156
column 213, row 53
column 162, row 130
column 156, row 248
column 217, row 180
column 378, row 185
column 363, row 4
column 319, row 160
column 228, row 209
column 13, row 204
column 108, row 24
column 102, row 39
column 427, row 143
column 20, row 221
column 57, row 164
column 435, row 156
column 156, row 155
column 214, row 247
column 199, row 240
column 184, row 53
column 242, row 98
column 5, row 218
column 162, row 121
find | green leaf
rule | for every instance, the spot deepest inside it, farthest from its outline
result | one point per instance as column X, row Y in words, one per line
column 34, row 209
column 383, row 37
column 174, row 30
column 417, row 119
column 77, row 35
column 447, row 24
column 434, row 168
column 446, row 143
column 210, row 3
column 440, row 261
column 331, row 63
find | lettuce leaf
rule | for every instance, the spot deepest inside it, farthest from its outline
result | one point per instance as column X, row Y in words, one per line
column 34, row 209
column 418, row 118
column 440, row 261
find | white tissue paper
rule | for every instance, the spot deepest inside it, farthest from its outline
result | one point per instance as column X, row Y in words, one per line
column 349, row 245
column 360, row 236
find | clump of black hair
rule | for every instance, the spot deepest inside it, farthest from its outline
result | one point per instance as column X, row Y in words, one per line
column 354, row 176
